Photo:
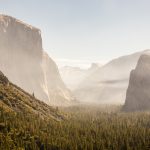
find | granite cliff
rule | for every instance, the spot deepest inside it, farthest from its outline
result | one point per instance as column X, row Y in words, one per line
column 24, row 62
column 138, row 92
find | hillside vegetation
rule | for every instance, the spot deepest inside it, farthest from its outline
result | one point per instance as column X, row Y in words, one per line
column 14, row 99
column 29, row 124
column 85, row 128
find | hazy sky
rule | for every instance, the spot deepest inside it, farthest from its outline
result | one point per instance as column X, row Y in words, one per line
column 81, row 31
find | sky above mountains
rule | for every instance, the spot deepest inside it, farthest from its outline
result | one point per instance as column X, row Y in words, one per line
column 83, row 31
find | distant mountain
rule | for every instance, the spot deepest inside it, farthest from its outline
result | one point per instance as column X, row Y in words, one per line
column 108, row 84
column 14, row 99
column 25, row 63
column 73, row 76
column 138, row 93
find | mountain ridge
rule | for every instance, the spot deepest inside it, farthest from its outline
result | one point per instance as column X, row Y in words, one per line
column 73, row 76
column 95, row 88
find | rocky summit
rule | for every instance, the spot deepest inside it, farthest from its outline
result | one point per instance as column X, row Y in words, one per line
column 138, row 92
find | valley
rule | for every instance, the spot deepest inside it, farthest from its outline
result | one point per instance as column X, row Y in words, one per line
column 55, row 94
column 84, row 128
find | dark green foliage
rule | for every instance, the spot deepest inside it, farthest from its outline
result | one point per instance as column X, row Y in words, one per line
column 86, row 128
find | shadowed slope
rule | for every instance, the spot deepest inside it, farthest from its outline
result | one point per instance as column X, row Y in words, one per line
column 14, row 99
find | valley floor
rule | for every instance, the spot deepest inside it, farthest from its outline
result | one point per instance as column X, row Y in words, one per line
column 84, row 128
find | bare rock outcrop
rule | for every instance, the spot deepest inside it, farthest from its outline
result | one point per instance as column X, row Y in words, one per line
column 22, row 60
column 138, row 92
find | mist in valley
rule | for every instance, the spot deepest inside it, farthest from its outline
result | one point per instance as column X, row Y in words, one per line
column 74, row 75
column 105, row 84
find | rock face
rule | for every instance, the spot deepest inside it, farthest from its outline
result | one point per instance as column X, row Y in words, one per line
column 108, row 84
column 138, row 92
column 24, row 62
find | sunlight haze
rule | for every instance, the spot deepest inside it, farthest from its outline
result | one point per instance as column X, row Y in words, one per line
column 86, row 30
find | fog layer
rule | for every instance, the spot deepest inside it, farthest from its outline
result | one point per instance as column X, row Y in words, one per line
column 107, row 84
